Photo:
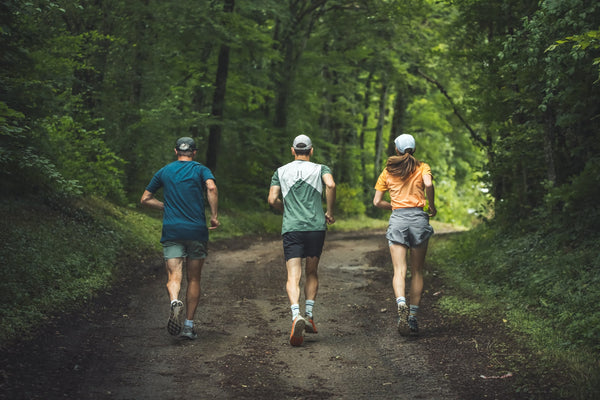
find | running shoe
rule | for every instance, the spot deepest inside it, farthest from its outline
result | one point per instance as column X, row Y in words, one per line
column 174, row 324
column 413, row 325
column 403, row 312
column 297, row 335
column 188, row 332
column 310, row 326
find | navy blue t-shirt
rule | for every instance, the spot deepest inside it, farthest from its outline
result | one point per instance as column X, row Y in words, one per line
column 183, row 184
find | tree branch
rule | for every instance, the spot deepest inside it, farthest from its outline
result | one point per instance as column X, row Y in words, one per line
column 477, row 138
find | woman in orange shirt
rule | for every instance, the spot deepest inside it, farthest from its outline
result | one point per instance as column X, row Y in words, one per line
column 410, row 185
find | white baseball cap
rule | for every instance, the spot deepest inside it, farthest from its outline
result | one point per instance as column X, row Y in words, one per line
column 302, row 142
column 404, row 142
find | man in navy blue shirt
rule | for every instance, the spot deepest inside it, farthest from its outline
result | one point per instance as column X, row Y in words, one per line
column 184, row 230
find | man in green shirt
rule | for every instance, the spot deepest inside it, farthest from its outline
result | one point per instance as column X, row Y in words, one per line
column 300, row 184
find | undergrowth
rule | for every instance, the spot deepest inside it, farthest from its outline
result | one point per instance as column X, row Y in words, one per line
column 57, row 254
column 544, row 288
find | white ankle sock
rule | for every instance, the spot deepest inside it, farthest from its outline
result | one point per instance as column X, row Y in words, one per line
column 295, row 310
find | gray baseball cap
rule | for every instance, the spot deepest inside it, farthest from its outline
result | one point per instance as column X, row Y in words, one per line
column 185, row 144
column 302, row 142
column 405, row 142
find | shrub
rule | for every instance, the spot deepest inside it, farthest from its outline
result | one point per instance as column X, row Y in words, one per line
column 349, row 200
column 82, row 155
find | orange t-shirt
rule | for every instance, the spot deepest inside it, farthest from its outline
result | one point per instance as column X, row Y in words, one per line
column 405, row 193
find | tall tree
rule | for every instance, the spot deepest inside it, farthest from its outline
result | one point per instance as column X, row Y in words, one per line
column 291, row 34
column 218, row 104
column 379, row 144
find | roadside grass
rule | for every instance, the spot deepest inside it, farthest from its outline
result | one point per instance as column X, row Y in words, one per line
column 545, row 291
column 58, row 254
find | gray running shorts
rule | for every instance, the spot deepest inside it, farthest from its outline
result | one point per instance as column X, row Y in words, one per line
column 193, row 249
column 409, row 227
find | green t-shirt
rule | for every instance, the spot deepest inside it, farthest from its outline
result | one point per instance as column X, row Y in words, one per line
column 301, row 186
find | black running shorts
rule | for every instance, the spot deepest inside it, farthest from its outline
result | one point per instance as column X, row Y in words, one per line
column 303, row 244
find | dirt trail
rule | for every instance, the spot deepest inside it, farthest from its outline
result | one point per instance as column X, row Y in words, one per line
column 121, row 349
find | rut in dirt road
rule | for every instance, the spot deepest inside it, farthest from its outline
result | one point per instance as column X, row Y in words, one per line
column 243, row 324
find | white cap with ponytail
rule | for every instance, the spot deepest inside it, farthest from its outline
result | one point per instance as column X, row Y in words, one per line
column 405, row 142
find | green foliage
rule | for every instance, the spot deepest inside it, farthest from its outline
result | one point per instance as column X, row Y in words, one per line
column 349, row 201
column 537, row 101
column 74, row 250
column 360, row 222
column 564, row 204
column 460, row 306
column 69, row 257
column 237, row 223
column 454, row 161
column 83, row 156
column 586, row 42
column 23, row 168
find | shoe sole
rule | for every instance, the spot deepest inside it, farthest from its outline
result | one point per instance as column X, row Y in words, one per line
column 310, row 326
column 296, row 337
column 403, row 327
column 174, row 326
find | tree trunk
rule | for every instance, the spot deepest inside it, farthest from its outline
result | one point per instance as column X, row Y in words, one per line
column 397, row 119
column 548, row 153
column 363, row 130
column 292, row 41
column 379, row 130
column 216, row 128
column 284, row 86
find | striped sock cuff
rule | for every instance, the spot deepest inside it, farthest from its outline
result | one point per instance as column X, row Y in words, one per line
column 309, row 307
column 414, row 310
column 295, row 310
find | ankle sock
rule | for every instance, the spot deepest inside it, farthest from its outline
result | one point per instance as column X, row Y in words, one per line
column 189, row 323
column 309, row 307
column 414, row 310
column 295, row 310
column 400, row 301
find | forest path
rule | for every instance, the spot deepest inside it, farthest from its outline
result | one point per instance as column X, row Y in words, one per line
column 119, row 348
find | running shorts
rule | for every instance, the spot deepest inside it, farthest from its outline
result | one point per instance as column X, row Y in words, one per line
column 193, row 249
column 303, row 244
column 409, row 227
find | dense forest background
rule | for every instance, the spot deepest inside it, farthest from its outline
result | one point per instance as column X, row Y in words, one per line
column 502, row 97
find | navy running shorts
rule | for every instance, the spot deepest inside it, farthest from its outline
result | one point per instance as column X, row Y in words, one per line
column 303, row 244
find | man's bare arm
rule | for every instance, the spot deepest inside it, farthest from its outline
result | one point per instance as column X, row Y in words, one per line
column 329, row 197
column 212, row 194
column 149, row 200
column 274, row 200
